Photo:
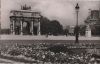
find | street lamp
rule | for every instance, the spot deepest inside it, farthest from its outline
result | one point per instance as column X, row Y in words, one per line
column 77, row 28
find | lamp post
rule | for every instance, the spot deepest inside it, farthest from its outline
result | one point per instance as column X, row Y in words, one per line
column 77, row 28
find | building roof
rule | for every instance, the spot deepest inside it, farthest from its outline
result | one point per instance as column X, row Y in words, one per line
column 94, row 17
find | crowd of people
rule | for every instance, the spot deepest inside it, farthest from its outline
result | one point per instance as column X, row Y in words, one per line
column 42, row 53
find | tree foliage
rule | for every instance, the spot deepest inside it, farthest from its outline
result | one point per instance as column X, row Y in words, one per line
column 51, row 27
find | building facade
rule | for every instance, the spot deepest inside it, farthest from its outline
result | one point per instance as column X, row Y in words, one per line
column 93, row 18
column 25, row 21
column 93, row 23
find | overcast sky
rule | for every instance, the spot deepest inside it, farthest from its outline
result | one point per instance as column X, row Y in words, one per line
column 61, row 10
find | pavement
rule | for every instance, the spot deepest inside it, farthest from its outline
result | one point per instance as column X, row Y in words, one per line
column 6, row 40
column 43, row 37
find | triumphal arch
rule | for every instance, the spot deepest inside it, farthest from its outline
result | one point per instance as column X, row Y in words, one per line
column 25, row 21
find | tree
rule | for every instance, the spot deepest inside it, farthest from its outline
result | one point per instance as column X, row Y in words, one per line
column 51, row 27
column 55, row 28
column 44, row 25
column 82, row 29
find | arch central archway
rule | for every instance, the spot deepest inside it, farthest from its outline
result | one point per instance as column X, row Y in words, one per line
column 26, row 28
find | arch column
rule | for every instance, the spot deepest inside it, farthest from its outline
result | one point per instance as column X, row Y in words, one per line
column 13, row 27
column 21, row 33
column 32, row 25
column 39, row 29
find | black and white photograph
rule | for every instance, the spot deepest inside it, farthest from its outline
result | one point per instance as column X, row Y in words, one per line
column 49, row 31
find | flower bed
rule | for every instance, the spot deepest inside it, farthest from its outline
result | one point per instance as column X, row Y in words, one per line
column 44, row 53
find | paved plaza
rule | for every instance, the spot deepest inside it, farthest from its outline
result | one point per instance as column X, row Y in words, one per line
column 44, row 37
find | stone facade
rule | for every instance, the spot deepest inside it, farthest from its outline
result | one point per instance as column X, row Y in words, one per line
column 92, row 20
column 22, row 22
